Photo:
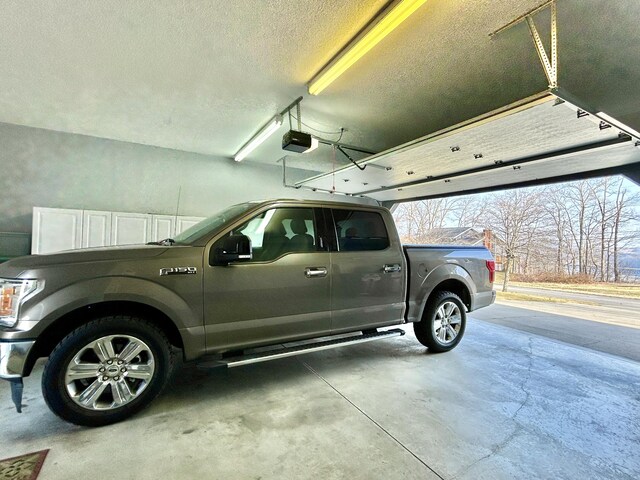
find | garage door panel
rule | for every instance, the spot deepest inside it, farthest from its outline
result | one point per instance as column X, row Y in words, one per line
column 508, row 176
column 491, row 150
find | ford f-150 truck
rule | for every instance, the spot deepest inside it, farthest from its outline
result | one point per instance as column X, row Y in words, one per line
column 292, row 276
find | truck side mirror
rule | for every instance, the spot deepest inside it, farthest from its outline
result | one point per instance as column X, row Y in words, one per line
column 234, row 248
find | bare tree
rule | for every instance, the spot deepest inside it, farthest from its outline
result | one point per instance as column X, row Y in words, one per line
column 625, row 212
column 416, row 219
column 554, row 208
column 579, row 207
column 470, row 211
column 587, row 227
column 514, row 216
column 600, row 192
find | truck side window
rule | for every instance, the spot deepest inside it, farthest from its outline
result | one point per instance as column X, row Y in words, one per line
column 360, row 231
column 278, row 231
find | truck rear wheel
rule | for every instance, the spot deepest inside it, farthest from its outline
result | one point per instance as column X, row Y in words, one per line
column 106, row 370
column 443, row 323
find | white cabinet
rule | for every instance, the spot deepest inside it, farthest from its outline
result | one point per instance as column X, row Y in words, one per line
column 167, row 226
column 96, row 229
column 130, row 228
column 56, row 229
column 186, row 222
column 162, row 226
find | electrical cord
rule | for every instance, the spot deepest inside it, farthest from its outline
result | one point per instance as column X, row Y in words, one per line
column 340, row 132
column 360, row 167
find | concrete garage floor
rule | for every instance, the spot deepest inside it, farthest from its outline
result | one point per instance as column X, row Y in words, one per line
column 504, row 404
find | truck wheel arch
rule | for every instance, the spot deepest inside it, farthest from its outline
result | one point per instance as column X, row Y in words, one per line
column 444, row 277
column 62, row 326
column 450, row 285
column 454, row 286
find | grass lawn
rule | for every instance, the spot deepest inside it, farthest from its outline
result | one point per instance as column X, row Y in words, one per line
column 515, row 296
column 626, row 290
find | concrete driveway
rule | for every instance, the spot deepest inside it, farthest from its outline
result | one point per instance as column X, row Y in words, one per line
column 603, row 323
column 582, row 325
column 602, row 308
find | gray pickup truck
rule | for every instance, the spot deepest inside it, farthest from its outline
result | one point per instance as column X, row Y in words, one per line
column 291, row 276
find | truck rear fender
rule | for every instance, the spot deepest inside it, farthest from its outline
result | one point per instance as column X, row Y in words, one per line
column 448, row 277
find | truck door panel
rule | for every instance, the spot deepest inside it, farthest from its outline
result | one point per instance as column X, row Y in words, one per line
column 367, row 272
column 281, row 294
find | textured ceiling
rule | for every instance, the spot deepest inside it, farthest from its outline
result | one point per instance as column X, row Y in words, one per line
column 204, row 76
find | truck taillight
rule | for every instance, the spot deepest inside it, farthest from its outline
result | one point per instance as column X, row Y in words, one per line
column 491, row 266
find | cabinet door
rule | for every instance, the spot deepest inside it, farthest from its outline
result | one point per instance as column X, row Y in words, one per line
column 96, row 229
column 186, row 222
column 130, row 228
column 56, row 229
column 162, row 226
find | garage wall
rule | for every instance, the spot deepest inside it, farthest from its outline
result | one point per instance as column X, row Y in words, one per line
column 53, row 169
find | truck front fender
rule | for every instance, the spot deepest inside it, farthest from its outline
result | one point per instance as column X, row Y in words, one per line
column 41, row 313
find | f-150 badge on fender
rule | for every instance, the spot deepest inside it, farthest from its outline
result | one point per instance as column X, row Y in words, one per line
column 178, row 271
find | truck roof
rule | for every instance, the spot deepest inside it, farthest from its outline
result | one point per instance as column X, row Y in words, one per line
column 315, row 202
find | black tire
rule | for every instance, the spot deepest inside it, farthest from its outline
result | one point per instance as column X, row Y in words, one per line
column 154, row 360
column 425, row 329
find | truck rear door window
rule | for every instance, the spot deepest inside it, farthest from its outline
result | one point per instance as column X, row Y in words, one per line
column 358, row 230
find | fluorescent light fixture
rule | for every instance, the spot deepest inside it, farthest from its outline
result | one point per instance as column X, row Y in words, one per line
column 266, row 131
column 398, row 14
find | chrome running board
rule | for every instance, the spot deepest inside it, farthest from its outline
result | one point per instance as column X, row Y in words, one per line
column 289, row 350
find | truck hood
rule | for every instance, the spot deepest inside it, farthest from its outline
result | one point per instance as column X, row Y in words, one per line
column 14, row 267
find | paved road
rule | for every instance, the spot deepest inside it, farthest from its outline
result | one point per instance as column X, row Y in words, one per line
column 631, row 304
column 581, row 325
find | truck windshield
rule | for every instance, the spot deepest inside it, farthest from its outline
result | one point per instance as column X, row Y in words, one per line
column 212, row 223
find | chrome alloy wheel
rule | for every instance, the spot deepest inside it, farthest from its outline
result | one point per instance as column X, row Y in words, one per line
column 447, row 323
column 109, row 372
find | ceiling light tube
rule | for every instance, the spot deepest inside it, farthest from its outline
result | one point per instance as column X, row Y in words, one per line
column 266, row 131
column 365, row 42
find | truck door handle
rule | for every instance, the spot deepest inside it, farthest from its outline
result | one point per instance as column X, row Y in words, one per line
column 392, row 268
column 311, row 272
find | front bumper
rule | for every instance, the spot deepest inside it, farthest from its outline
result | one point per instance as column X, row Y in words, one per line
column 13, row 358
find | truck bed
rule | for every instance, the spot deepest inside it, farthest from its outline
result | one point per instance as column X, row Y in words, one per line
column 461, row 269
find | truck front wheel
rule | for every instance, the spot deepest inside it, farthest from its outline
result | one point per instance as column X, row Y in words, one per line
column 443, row 322
column 106, row 370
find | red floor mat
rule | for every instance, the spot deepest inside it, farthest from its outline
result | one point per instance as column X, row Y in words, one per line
column 23, row 467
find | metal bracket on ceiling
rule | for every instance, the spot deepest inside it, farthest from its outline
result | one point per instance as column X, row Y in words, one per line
column 550, row 64
column 338, row 146
column 287, row 111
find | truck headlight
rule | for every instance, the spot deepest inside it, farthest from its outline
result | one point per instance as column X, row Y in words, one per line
column 12, row 293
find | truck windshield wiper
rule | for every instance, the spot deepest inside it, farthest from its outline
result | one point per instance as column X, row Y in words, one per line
column 166, row 241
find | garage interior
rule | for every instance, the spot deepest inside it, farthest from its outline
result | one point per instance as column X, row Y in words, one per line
column 142, row 106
